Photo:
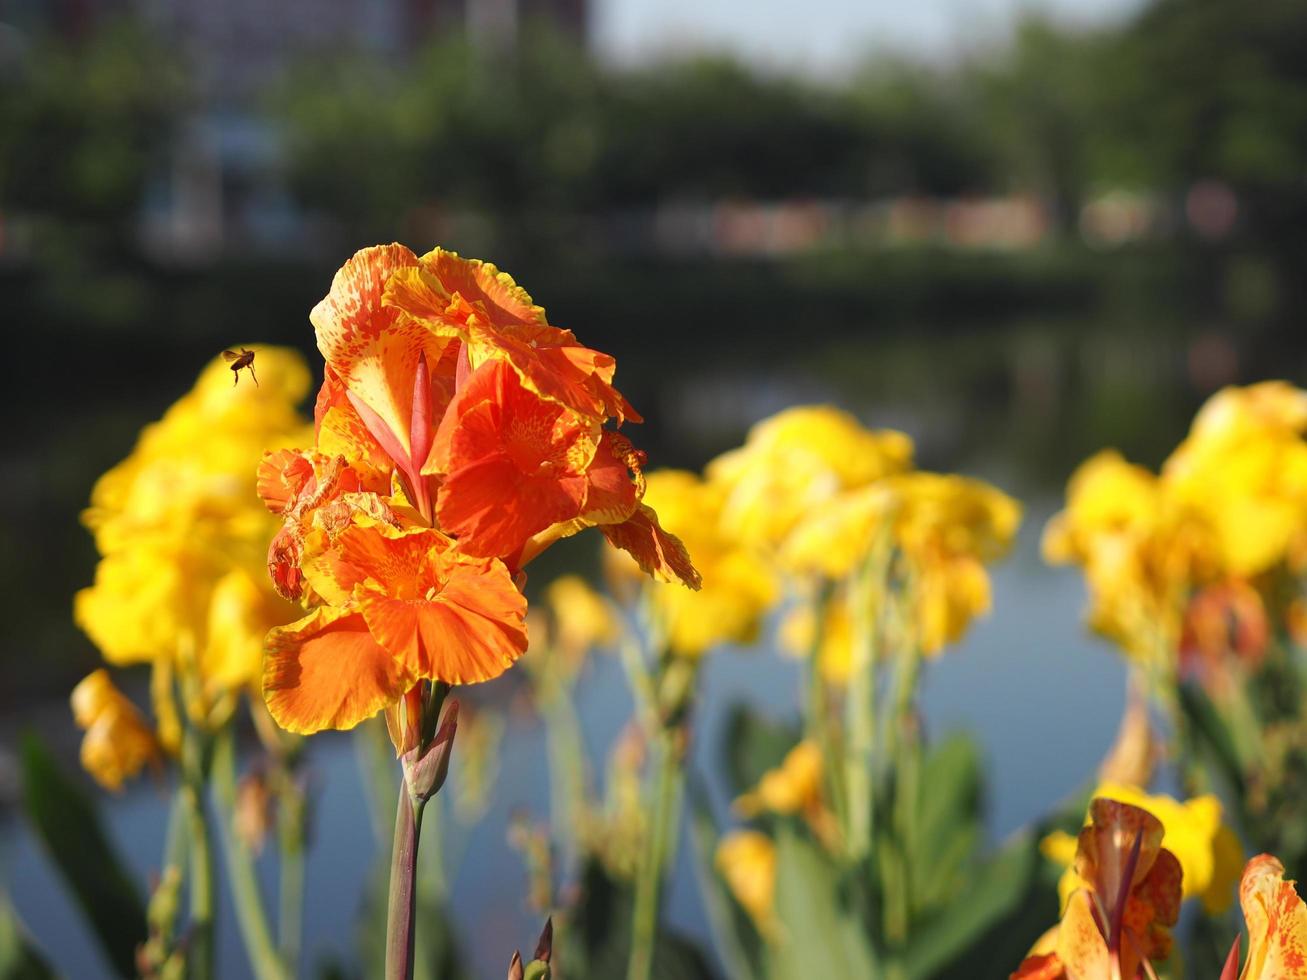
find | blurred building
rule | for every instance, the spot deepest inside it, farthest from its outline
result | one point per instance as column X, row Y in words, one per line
column 220, row 186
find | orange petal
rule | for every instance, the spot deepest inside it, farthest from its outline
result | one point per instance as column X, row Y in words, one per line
column 514, row 463
column 326, row 671
column 1044, row 966
column 1277, row 922
column 657, row 552
column 468, row 626
column 282, row 476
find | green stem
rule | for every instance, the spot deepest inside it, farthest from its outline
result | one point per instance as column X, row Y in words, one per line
column 201, row 854
column 402, row 907
column 566, row 761
column 860, row 706
column 644, row 925
column 251, row 916
column 818, row 722
column 291, row 816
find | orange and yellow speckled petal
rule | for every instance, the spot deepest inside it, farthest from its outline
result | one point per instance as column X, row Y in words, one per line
column 1277, row 923
column 374, row 349
column 492, row 294
column 326, row 671
column 1081, row 946
column 657, row 552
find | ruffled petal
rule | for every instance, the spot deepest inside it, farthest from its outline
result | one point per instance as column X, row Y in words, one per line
column 657, row 552
column 326, row 671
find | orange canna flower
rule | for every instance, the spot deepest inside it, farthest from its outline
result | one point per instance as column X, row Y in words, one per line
column 458, row 435
column 1130, row 897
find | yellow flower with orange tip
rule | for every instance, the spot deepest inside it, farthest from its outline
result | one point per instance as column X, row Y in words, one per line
column 182, row 578
column 746, row 860
column 795, row 462
column 1206, row 847
column 118, row 743
column 738, row 588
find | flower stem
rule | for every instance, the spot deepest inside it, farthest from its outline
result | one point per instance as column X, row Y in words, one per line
column 250, row 913
column 402, row 907
column 864, row 596
column 200, row 849
column 290, row 840
column 644, row 925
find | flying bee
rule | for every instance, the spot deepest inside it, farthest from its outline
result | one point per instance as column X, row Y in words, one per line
column 245, row 359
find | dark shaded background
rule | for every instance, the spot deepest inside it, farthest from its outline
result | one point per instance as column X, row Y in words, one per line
column 1030, row 252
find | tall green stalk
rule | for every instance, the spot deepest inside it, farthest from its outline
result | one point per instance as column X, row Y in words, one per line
column 648, row 883
column 402, row 906
column 200, row 849
column 864, row 597
column 291, row 817
column 251, row 915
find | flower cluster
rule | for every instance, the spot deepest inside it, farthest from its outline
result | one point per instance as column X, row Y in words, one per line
column 1172, row 559
column 805, row 500
column 457, row 435
column 181, row 583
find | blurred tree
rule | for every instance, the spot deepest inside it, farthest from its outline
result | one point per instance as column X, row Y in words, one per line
column 84, row 122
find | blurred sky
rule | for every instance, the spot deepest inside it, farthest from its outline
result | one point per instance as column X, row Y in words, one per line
column 822, row 37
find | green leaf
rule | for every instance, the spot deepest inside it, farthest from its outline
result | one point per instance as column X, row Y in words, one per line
column 822, row 937
column 67, row 822
column 734, row 936
column 19, row 958
column 946, row 828
column 986, row 930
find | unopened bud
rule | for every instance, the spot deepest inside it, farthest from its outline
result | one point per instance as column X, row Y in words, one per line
column 425, row 774
column 253, row 817
column 515, row 971
column 545, row 946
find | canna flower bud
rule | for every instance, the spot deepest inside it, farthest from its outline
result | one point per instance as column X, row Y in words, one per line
column 424, row 774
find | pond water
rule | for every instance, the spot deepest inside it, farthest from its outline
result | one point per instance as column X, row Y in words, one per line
column 1041, row 696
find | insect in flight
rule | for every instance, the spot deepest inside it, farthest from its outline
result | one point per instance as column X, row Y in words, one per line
column 245, row 359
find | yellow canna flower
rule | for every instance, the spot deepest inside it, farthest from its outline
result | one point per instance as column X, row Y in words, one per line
column 746, row 859
column 793, row 787
column 183, row 536
column 118, row 743
column 737, row 587
column 797, row 461
column 1207, row 848
column 1141, row 547
column 945, row 526
column 1243, row 466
